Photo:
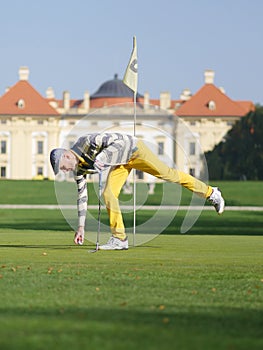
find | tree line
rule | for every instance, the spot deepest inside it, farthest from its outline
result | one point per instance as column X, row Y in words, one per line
column 239, row 156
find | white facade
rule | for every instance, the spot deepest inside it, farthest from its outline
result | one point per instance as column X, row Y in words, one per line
column 27, row 139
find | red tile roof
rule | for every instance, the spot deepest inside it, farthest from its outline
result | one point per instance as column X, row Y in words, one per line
column 157, row 102
column 198, row 104
column 248, row 106
column 101, row 102
column 72, row 103
column 34, row 103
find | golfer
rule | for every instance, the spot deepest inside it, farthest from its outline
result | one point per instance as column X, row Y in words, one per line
column 122, row 153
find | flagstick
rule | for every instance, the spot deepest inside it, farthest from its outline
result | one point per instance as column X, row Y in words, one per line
column 131, row 80
column 134, row 173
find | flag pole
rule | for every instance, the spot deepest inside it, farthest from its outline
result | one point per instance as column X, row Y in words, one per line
column 131, row 80
column 134, row 172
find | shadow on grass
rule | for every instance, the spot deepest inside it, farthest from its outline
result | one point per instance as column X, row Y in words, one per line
column 52, row 220
column 39, row 226
column 199, row 328
column 231, row 223
column 209, row 223
column 39, row 246
column 33, row 220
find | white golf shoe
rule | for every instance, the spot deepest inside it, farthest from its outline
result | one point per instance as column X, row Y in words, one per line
column 115, row 244
column 217, row 200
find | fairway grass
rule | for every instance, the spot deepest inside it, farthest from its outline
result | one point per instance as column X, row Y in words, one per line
column 175, row 292
column 43, row 192
column 197, row 291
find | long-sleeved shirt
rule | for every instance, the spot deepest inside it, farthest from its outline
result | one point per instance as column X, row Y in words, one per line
column 111, row 149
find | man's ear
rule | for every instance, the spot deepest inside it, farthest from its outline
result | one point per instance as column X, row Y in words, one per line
column 66, row 155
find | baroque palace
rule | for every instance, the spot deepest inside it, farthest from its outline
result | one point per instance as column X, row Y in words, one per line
column 179, row 131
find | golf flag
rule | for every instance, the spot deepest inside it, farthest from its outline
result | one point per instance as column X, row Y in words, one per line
column 131, row 74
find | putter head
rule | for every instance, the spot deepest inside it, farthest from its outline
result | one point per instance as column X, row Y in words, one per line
column 94, row 250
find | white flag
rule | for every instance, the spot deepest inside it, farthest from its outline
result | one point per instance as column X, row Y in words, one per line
column 131, row 74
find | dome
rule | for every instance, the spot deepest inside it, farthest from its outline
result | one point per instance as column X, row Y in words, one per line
column 113, row 88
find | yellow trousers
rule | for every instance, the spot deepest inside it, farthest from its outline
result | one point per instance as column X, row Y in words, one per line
column 143, row 159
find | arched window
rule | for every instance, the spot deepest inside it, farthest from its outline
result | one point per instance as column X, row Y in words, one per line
column 212, row 105
column 21, row 103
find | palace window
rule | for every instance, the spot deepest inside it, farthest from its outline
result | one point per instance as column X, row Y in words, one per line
column 161, row 148
column 2, row 171
column 3, row 147
column 40, row 147
column 21, row 103
column 39, row 170
column 71, row 144
column 192, row 171
column 212, row 105
column 139, row 174
column 192, row 148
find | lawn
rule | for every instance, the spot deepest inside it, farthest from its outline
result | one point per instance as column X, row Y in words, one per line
column 248, row 193
column 200, row 290
column 182, row 291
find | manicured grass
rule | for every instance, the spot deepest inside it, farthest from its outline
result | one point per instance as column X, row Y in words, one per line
column 27, row 192
column 176, row 292
column 43, row 192
column 200, row 290
column 208, row 223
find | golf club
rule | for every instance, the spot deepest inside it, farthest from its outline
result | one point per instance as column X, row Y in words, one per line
column 99, row 214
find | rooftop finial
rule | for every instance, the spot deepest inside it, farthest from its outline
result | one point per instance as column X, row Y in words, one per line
column 209, row 76
column 23, row 73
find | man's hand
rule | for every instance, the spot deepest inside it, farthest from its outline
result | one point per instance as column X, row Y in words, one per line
column 79, row 236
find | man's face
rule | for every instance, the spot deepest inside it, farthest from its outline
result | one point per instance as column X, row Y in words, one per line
column 68, row 162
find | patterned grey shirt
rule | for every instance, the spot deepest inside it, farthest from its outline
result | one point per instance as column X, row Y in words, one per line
column 111, row 149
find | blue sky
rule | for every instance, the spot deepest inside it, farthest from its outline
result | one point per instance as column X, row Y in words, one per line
column 77, row 45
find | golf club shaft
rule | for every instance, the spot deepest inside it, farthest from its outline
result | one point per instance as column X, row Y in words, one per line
column 99, row 215
column 99, row 210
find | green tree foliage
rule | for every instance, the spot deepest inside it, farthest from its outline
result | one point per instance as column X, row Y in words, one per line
column 240, row 155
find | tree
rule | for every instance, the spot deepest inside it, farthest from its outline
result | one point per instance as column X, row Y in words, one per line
column 240, row 154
